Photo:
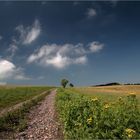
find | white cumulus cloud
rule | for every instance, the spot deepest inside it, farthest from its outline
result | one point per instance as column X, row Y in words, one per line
column 91, row 13
column 61, row 56
column 6, row 69
column 9, row 71
column 30, row 33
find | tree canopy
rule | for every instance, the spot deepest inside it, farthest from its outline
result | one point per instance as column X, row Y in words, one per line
column 64, row 82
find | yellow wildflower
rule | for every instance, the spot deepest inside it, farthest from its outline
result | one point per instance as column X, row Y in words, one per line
column 94, row 99
column 89, row 121
column 106, row 106
column 130, row 132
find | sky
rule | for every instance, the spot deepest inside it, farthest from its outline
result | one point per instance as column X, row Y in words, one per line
column 86, row 42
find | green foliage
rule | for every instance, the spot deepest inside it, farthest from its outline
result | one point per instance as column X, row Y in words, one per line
column 64, row 82
column 92, row 118
column 71, row 85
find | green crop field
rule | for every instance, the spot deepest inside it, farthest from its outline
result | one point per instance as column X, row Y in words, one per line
column 100, row 112
column 10, row 96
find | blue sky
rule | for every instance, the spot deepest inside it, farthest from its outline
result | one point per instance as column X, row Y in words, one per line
column 88, row 43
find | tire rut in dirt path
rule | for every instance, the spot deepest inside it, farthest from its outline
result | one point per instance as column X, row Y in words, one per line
column 42, row 124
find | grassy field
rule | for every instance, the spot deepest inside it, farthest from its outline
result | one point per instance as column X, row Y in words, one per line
column 10, row 96
column 109, row 93
column 100, row 112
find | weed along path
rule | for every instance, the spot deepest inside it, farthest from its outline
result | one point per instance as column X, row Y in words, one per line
column 41, row 123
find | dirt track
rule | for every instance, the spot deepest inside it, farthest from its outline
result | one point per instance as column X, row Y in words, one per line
column 41, row 123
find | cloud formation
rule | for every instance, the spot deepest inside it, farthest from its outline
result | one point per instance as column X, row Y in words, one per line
column 95, row 46
column 30, row 33
column 61, row 56
column 26, row 36
column 9, row 71
column 12, row 49
column 91, row 13
column 6, row 69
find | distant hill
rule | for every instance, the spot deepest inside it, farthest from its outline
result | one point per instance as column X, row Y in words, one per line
column 109, row 84
column 115, row 84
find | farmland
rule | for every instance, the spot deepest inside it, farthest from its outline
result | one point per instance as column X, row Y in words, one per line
column 111, row 112
column 100, row 112
column 10, row 96
column 109, row 92
column 15, row 104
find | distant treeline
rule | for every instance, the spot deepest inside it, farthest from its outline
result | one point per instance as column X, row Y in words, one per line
column 132, row 84
column 116, row 83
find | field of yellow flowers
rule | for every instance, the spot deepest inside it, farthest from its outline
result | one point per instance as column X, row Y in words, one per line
column 86, row 117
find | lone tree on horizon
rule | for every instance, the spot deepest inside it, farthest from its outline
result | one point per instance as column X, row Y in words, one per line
column 64, row 82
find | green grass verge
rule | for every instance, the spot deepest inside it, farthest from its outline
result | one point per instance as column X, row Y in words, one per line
column 84, row 117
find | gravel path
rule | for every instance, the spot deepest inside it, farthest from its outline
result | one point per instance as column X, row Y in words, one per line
column 42, row 124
